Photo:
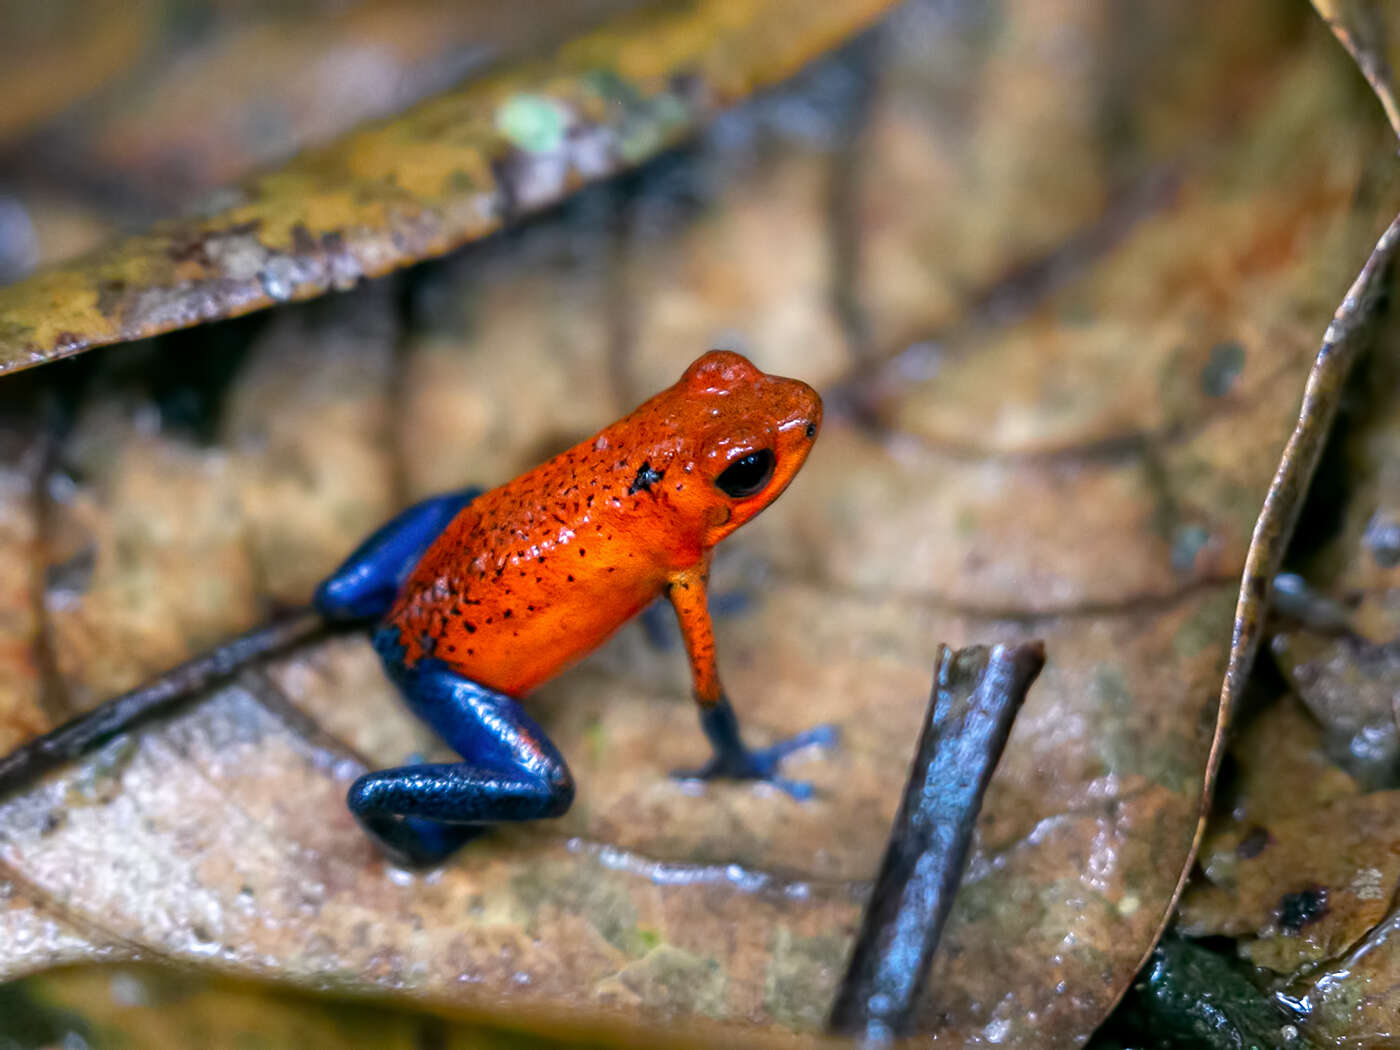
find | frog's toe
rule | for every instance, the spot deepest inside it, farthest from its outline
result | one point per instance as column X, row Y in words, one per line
column 766, row 759
column 762, row 764
column 762, row 772
column 800, row 790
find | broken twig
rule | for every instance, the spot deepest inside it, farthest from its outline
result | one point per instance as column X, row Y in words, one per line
column 158, row 696
column 976, row 694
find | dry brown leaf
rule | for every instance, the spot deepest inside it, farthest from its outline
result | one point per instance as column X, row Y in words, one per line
column 1305, row 864
column 1316, row 886
column 1331, row 854
column 36, row 938
column 1303, row 871
column 1295, row 837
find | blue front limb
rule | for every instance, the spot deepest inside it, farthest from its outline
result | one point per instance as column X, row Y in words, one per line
column 511, row 770
column 367, row 582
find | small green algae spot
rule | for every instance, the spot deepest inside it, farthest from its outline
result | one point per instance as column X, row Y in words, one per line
column 459, row 181
column 1125, row 749
column 679, row 980
column 596, row 739
column 607, row 85
column 998, row 897
column 1208, row 627
column 802, row 976
column 603, row 903
column 15, row 332
column 533, row 123
column 651, row 126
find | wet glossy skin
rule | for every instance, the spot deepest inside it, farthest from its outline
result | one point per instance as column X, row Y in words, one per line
column 480, row 597
column 535, row 574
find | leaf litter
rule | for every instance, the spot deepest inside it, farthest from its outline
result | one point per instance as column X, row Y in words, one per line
column 220, row 838
column 1297, row 865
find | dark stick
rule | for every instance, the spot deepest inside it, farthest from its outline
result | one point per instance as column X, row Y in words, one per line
column 158, row 696
column 976, row 694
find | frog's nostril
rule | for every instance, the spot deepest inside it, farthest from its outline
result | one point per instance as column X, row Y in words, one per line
column 811, row 430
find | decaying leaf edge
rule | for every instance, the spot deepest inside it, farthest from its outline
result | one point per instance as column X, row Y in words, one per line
column 1342, row 344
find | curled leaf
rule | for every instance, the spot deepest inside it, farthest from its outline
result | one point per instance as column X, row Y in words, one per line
column 1342, row 344
column 450, row 170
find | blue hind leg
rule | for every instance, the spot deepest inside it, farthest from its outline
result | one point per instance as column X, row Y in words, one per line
column 367, row 582
column 510, row 770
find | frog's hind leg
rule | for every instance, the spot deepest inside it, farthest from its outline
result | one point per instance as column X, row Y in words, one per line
column 510, row 770
column 367, row 582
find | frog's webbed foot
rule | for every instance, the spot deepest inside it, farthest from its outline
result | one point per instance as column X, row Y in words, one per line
column 733, row 760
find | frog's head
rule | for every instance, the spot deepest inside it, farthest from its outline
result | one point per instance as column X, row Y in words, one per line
column 748, row 433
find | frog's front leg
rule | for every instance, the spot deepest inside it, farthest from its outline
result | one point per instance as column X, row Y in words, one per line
column 510, row 770
column 368, row 581
column 732, row 758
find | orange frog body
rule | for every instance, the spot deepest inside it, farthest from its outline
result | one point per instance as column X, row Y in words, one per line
column 483, row 596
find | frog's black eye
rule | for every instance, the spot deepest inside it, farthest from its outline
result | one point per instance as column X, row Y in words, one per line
column 746, row 476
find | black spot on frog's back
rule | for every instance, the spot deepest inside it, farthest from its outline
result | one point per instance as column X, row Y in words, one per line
column 645, row 479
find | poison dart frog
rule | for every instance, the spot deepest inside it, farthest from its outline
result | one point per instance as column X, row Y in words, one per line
column 479, row 597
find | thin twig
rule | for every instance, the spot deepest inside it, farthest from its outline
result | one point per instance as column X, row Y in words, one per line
column 158, row 696
column 976, row 694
